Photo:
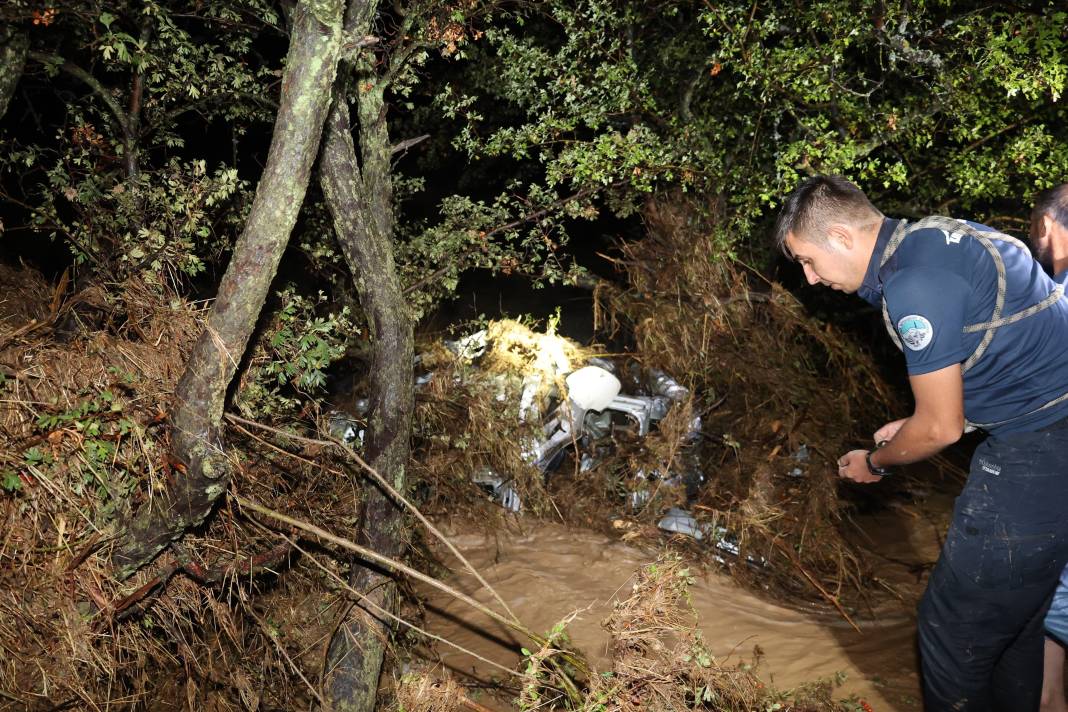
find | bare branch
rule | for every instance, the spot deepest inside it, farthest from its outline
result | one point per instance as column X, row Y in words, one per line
column 89, row 80
column 408, row 143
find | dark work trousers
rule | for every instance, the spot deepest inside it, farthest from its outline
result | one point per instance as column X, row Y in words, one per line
column 980, row 621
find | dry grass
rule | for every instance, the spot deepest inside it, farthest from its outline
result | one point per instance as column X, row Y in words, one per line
column 83, row 409
column 78, row 423
column 424, row 693
column 659, row 660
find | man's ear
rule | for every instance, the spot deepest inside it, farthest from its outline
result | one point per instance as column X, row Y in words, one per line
column 841, row 235
column 1047, row 225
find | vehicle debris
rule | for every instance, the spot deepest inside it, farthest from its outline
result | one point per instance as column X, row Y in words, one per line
column 801, row 456
column 500, row 488
column 346, row 428
column 680, row 521
column 585, row 413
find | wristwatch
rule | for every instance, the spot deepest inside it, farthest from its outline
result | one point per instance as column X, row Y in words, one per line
column 873, row 469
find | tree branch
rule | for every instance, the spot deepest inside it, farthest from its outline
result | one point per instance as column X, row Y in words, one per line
column 537, row 215
column 196, row 435
column 408, row 143
column 119, row 114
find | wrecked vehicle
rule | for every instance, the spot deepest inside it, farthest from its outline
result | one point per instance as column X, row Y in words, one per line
column 583, row 416
column 586, row 419
column 580, row 415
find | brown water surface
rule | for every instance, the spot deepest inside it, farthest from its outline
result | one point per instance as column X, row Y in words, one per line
column 548, row 571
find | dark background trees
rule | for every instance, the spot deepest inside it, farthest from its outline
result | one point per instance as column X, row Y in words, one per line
column 554, row 113
column 495, row 138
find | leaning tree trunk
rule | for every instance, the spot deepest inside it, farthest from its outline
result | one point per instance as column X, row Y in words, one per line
column 311, row 66
column 13, row 46
column 359, row 196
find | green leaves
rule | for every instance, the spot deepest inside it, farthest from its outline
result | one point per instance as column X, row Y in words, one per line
column 89, row 445
column 921, row 104
column 10, row 482
column 105, row 178
column 303, row 339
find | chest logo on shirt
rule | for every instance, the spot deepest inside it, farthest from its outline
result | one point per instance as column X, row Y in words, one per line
column 916, row 332
column 952, row 238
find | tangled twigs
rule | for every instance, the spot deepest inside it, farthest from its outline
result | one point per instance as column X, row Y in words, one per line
column 53, row 312
column 127, row 605
column 91, row 546
column 381, row 481
column 569, row 658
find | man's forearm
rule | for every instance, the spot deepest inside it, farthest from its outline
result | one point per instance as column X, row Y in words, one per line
column 918, row 439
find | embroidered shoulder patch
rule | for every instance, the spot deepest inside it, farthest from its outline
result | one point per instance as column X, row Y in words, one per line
column 916, row 332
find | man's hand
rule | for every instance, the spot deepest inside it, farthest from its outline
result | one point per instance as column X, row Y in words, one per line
column 888, row 431
column 854, row 466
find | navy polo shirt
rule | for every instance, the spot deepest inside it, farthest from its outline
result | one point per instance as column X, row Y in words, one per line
column 936, row 283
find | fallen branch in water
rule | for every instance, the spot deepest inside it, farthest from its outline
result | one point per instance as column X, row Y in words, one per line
column 811, row 579
column 570, row 658
column 392, row 616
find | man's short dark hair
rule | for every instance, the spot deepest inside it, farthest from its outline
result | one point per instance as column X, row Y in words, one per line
column 1053, row 202
column 819, row 202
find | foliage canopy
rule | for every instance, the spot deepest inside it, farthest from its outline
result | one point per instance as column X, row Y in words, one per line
column 556, row 112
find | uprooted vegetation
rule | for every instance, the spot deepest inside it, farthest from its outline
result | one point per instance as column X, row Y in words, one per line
column 239, row 613
column 783, row 385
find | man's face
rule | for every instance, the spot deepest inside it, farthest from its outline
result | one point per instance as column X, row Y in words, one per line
column 834, row 263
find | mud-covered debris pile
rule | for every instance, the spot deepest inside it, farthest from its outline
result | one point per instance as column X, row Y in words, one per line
column 791, row 394
column 721, row 427
column 661, row 661
column 545, row 425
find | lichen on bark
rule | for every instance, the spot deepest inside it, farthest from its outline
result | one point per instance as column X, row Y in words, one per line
column 359, row 196
column 196, row 420
column 14, row 44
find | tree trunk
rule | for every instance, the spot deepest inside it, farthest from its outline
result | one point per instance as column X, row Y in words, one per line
column 359, row 195
column 13, row 47
column 310, row 70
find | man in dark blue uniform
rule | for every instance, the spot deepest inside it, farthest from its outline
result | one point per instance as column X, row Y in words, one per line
column 1049, row 236
column 1049, row 230
column 984, row 332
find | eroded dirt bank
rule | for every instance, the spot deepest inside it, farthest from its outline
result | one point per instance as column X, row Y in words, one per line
column 545, row 571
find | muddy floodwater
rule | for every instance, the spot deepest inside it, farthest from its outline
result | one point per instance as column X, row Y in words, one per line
column 546, row 571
